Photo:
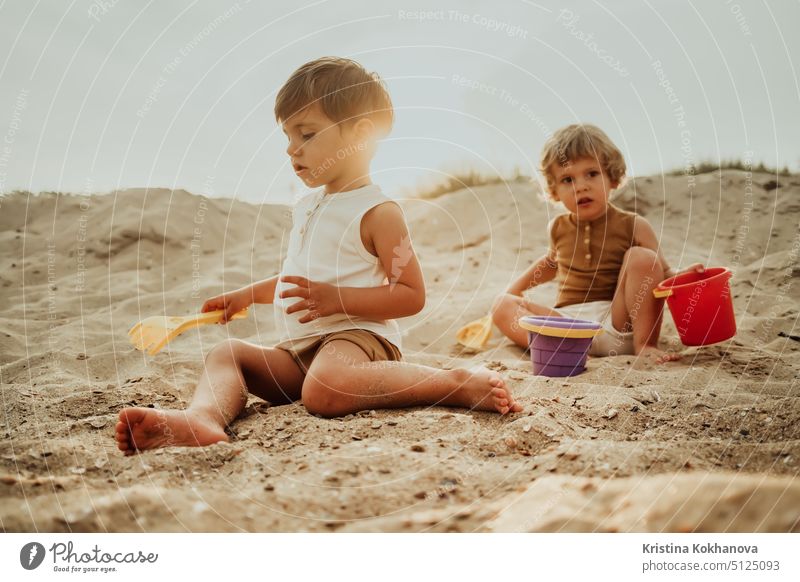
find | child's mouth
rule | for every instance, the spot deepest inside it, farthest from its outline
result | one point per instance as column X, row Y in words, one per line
column 584, row 201
column 298, row 168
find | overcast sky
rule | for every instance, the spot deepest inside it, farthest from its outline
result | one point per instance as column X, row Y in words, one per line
column 96, row 96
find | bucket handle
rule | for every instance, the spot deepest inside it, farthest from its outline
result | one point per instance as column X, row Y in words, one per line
column 661, row 293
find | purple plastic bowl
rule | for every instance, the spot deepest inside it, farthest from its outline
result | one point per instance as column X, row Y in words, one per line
column 560, row 322
column 556, row 356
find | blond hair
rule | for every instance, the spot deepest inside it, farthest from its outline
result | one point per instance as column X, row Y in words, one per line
column 573, row 142
column 343, row 88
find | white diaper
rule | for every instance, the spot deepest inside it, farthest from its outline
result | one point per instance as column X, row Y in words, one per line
column 609, row 343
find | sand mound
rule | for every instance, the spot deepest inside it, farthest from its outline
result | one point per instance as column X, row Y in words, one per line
column 614, row 449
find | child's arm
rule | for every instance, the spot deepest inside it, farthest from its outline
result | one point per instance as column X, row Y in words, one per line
column 385, row 227
column 645, row 236
column 234, row 301
column 262, row 291
column 542, row 271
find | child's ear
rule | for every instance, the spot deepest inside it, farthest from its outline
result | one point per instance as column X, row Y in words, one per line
column 551, row 192
column 364, row 130
column 547, row 187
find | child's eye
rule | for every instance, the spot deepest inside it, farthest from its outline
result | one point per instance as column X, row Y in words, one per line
column 594, row 174
column 306, row 136
column 566, row 180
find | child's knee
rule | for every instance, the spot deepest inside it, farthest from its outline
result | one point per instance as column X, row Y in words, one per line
column 499, row 307
column 642, row 260
column 323, row 393
column 225, row 350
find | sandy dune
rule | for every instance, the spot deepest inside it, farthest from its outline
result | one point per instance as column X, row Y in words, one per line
column 707, row 444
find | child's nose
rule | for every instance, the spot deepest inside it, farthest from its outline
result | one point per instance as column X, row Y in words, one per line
column 292, row 149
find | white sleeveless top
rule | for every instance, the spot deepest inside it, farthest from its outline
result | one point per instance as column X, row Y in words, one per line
column 325, row 245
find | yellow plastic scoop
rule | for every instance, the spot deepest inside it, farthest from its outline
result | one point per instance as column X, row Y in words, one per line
column 475, row 334
column 153, row 333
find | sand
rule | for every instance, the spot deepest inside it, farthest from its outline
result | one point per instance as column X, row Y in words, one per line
column 706, row 444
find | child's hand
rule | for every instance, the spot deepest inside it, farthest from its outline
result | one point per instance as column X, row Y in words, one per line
column 319, row 299
column 697, row 267
column 232, row 302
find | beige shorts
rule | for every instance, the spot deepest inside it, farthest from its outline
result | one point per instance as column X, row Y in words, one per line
column 376, row 347
column 609, row 343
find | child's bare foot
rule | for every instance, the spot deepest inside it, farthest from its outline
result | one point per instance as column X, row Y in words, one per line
column 482, row 389
column 652, row 354
column 145, row 428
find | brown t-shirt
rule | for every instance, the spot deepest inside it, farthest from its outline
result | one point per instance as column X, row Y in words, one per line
column 590, row 254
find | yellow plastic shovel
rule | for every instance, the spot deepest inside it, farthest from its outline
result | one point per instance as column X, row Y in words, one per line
column 475, row 334
column 153, row 333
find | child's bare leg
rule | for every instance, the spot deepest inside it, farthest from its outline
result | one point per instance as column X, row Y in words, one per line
column 506, row 311
column 231, row 368
column 634, row 305
column 342, row 380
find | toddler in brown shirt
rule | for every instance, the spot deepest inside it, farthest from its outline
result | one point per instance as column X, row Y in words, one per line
column 607, row 260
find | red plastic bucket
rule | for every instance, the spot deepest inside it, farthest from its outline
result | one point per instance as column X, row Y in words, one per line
column 701, row 305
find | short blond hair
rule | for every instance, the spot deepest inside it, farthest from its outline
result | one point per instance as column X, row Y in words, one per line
column 343, row 88
column 577, row 141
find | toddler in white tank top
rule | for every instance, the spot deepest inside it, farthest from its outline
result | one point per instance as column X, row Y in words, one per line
column 350, row 271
